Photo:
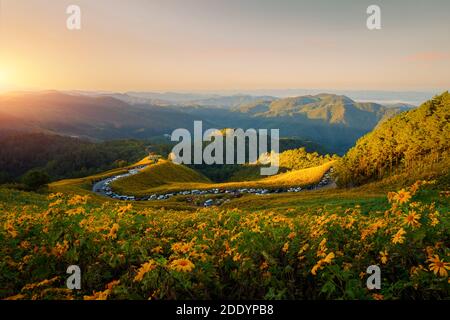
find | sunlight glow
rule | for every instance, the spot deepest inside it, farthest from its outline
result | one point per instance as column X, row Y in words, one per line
column 2, row 78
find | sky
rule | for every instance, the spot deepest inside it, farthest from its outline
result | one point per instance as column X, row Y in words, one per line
column 210, row 45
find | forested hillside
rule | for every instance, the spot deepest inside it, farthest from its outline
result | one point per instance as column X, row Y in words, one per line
column 413, row 141
column 326, row 108
column 62, row 157
column 333, row 121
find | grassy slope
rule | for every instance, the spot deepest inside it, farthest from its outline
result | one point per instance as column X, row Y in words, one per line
column 166, row 176
column 158, row 176
column 251, row 236
column 310, row 201
column 83, row 186
column 371, row 197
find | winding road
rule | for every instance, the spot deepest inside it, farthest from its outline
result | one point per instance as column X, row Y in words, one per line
column 103, row 187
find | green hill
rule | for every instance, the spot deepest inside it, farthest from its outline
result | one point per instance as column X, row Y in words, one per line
column 62, row 157
column 415, row 142
column 169, row 177
column 331, row 120
column 328, row 108
column 161, row 174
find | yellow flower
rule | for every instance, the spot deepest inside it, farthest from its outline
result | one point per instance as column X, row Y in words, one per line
column 112, row 284
column 60, row 249
column 384, row 256
column 76, row 211
column 264, row 265
column 9, row 227
column 377, row 296
column 291, row 235
column 43, row 283
column 415, row 187
column 55, row 195
column 304, row 248
column 391, row 196
column 76, row 200
column 320, row 264
column 124, row 209
column 346, row 266
column 412, row 219
column 182, row 265
column 17, row 297
column 399, row 236
column 285, row 247
column 113, row 232
column 157, row 249
column 55, row 203
column 202, row 226
column 103, row 295
column 439, row 266
column 146, row 267
column 329, row 258
column 430, row 251
column 402, row 196
column 434, row 219
column 182, row 247
column 414, row 271
column 25, row 244
column 322, row 251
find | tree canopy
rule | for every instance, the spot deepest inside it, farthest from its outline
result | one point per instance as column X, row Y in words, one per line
column 412, row 140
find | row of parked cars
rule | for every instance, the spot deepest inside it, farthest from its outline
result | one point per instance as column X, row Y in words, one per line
column 107, row 190
column 105, row 185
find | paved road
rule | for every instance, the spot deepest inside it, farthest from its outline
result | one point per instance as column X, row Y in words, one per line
column 99, row 187
column 103, row 188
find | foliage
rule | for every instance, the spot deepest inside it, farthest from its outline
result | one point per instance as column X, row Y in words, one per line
column 413, row 141
column 290, row 159
column 168, row 177
column 125, row 253
column 34, row 179
column 300, row 159
column 62, row 157
column 164, row 172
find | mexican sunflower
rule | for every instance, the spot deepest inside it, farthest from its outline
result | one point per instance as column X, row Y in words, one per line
column 412, row 219
column 182, row 265
column 402, row 196
column 439, row 266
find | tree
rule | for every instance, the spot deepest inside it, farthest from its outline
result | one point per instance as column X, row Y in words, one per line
column 4, row 177
column 34, row 179
column 412, row 141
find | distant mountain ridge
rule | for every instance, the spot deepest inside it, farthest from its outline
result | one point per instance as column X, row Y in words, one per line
column 331, row 109
column 334, row 121
column 180, row 99
column 102, row 118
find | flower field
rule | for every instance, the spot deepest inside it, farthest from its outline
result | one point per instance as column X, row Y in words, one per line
column 128, row 253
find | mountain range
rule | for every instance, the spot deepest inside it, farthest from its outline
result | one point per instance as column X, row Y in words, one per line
column 334, row 121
